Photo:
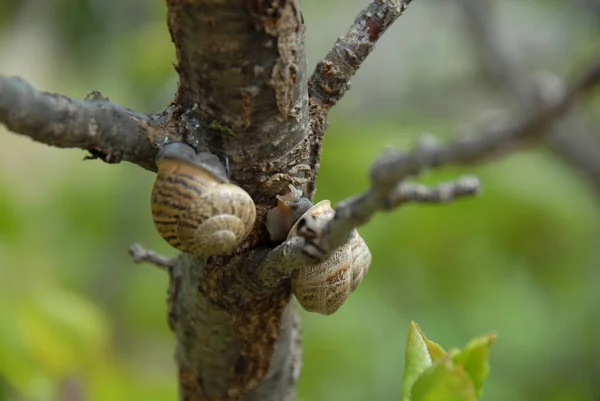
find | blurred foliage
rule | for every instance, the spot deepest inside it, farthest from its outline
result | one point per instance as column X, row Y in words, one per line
column 521, row 260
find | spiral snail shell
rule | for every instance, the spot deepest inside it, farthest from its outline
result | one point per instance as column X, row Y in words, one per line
column 194, row 207
column 323, row 287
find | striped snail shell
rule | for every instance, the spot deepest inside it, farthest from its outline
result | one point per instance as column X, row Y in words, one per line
column 324, row 287
column 194, row 206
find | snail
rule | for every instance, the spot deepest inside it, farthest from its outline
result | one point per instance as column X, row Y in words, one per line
column 194, row 206
column 323, row 287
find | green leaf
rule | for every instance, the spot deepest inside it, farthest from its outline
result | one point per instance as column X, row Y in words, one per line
column 432, row 374
column 444, row 382
column 475, row 360
column 436, row 352
column 421, row 353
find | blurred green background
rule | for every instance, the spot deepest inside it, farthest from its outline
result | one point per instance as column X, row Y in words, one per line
column 521, row 260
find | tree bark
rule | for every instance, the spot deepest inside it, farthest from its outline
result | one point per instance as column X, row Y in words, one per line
column 242, row 70
column 243, row 96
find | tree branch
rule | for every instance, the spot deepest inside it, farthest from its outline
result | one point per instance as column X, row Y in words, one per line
column 445, row 192
column 172, row 266
column 289, row 256
column 331, row 78
column 570, row 139
column 139, row 255
column 281, row 262
column 494, row 140
column 106, row 130
column 391, row 169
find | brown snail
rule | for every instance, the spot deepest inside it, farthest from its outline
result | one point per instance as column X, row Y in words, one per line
column 323, row 287
column 194, row 206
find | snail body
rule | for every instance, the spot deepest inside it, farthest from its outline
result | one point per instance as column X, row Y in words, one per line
column 325, row 286
column 194, row 206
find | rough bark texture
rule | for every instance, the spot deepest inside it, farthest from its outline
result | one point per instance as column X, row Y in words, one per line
column 242, row 71
column 243, row 91
column 252, row 341
column 332, row 76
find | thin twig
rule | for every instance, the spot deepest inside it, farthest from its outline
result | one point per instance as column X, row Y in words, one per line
column 442, row 193
column 331, row 78
column 107, row 131
column 140, row 254
column 171, row 266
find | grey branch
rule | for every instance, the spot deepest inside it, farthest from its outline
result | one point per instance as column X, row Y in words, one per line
column 106, row 130
column 442, row 193
column 140, row 254
column 172, row 266
column 493, row 140
column 283, row 260
column 388, row 173
column 496, row 137
column 570, row 139
column 331, row 78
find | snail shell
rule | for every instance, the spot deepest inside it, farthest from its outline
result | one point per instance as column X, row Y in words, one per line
column 324, row 287
column 194, row 207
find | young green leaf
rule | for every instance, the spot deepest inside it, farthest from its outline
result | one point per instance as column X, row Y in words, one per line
column 432, row 374
column 474, row 358
column 421, row 353
column 444, row 382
